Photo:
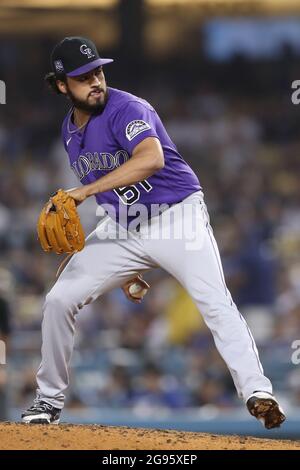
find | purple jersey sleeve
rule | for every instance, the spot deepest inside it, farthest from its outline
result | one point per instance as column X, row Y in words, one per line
column 133, row 123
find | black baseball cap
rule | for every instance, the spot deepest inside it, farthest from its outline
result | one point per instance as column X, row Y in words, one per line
column 74, row 56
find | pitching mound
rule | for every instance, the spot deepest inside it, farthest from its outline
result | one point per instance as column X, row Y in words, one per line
column 67, row 437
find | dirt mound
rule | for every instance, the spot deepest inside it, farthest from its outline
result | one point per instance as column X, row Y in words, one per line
column 94, row 437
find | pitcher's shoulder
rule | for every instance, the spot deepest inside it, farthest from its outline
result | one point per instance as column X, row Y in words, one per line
column 119, row 98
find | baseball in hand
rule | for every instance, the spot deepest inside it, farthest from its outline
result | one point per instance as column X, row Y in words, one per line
column 137, row 291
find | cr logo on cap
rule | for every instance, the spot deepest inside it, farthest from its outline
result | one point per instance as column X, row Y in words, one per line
column 87, row 51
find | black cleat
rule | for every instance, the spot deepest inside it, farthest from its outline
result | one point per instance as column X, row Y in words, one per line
column 266, row 409
column 41, row 413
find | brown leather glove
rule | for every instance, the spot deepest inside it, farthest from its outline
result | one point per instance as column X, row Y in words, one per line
column 59, row 229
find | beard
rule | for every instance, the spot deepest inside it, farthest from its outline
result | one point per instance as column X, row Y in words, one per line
column 84, row 105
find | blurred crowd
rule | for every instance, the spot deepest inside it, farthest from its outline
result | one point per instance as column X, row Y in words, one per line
column 236, row 126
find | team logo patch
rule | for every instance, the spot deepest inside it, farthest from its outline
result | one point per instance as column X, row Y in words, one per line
column 58, row 66
column 134, row 128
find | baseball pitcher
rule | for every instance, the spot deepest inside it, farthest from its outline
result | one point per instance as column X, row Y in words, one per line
column 154, row 215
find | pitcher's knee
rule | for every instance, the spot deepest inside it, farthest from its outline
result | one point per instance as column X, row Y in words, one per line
column 214, row 308
column 59, row 303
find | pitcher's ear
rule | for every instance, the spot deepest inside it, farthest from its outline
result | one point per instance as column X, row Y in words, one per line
column 61, row 86
column 52, row 83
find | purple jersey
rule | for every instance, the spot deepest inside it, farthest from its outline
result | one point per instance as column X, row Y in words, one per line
column 108, row 140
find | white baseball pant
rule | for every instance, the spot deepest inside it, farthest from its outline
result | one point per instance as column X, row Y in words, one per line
column 107, row 263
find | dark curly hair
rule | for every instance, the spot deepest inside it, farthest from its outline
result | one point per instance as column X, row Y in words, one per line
column 51, row 78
